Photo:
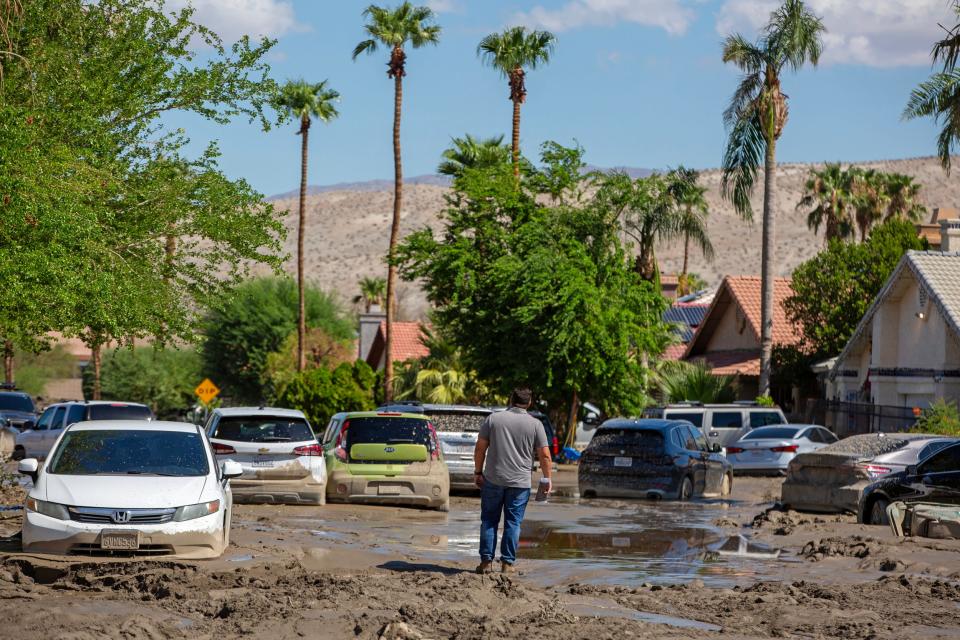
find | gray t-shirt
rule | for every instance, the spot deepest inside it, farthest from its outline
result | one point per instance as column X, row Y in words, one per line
column 515, row 437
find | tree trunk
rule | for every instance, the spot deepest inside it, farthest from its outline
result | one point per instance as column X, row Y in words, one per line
column 8, row 362
column 572, row 422
column 394, row 236
column 301, row 229
column 516, row 141
column 767, row 264
column 95, row 355
column 682, row 288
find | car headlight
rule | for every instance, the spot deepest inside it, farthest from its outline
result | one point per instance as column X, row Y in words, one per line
column 192, row 511
column 51, row 509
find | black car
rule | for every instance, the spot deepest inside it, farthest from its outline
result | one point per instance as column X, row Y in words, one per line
column 652, row 459
column 17, row 410
column 936, row 478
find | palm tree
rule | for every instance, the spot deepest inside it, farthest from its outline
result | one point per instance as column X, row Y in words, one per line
column 473, row 153
column 695, row 382
column 830, row 192
column 755, row 118
column 393, row 29
column 903, row 197
column 869, row 198
column 304, row 101
column 371, row 293
column 939, row 96
column 690, row 198
column 511, row 53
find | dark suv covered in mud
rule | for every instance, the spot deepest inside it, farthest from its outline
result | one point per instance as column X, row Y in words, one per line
column 656, row 459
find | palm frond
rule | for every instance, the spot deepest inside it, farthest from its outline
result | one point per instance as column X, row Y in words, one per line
column 741, row 161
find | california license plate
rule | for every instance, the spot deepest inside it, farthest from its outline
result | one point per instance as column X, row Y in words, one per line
column 262, row 462
column 120, row 540
column 622, row 462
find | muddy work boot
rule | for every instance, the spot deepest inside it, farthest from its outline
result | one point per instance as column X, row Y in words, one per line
column 485, row 566
column 506, row 567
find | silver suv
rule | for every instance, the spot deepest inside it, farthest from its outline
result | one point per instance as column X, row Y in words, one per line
column 722, row 424
column 37, row 441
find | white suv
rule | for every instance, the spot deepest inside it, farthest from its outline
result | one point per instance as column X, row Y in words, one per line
column 37, row 441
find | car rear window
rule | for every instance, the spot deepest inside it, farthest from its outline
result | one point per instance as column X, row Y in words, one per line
column 630, row 441
column 16, row 402
column 695, row 418
column 262, row 429
column 387, row 430
column 456, row 422
column 119, row 411
column 118, row 452
column 763, row 418
column 771, row 432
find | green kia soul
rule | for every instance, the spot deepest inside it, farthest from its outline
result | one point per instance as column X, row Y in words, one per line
column 385, row 458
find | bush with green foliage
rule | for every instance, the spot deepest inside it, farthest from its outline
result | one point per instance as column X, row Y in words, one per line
column 695, row 382
column 833, row 290
column 33, row 371
column 765, row 401
column 252, row 322
column 940, row 418
column 164, row 379
column 321, row 392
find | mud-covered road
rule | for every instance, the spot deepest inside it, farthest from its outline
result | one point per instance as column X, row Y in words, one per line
column 588, row 569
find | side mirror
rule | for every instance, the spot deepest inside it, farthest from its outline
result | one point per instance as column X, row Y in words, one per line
column 29, row 467
column 591, row 419
column 230, row 469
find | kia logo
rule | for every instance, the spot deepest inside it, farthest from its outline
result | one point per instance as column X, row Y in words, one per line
column 389, row 449
column 121, row 517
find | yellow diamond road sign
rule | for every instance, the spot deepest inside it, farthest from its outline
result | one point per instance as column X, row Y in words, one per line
column 206, row 391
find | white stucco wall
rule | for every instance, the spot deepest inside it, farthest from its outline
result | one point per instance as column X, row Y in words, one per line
column 727, row 337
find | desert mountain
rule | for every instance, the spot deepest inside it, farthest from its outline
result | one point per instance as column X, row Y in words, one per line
column 348, row 226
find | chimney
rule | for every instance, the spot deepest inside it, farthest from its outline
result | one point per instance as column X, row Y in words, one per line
column 949, row 235
column 369, row 325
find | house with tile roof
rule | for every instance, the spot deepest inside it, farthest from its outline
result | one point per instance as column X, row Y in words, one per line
column 906, row 350
column 728, row 339
column 407, row 344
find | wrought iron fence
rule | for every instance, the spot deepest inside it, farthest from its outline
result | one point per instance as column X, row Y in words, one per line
column 852, row 418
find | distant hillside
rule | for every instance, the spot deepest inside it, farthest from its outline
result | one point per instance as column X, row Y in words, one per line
column 348, row 226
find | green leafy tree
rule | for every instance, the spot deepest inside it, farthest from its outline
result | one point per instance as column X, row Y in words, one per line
column 940, row 418
column 512, row 52
column 755, row 119
column 939, row 96
column 321, row 392
column 372, row 291
column 252, row 322
column 322, row 349
column 303, row 101
column 110, row 230
column 164, row 379
column 695, row 382
column 690, row 199
column 394, row 29
column 853, row 274
column 469, row 152
column 540, row 295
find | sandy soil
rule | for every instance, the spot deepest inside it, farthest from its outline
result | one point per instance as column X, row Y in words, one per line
column 344, row 572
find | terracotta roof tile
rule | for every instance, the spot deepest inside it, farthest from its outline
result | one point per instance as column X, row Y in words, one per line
column 746, row 291
column 732, row 363
column 674, row 352
column 406, row 340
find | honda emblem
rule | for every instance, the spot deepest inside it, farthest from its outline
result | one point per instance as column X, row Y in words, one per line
column 121, row 517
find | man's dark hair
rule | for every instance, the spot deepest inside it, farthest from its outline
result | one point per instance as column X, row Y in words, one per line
column 521, row 397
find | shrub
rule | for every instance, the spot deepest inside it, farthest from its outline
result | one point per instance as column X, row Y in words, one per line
column 321, row 392
column 940, row 418
column 696, row 383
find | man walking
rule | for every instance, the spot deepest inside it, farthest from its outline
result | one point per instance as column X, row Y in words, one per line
column 507, row 443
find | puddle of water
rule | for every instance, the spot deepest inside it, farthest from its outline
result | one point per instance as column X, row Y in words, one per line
column 607, row 609
column 244, row 558
column 16, row 507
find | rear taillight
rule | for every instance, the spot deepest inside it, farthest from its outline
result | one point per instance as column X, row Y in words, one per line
column 435, row 453
column 222, row 449
column 734, row 450
column 790, row 448
column 308, row 450
column 875, row 470
column 340, row 453
column 556, row 446
column 340, row 450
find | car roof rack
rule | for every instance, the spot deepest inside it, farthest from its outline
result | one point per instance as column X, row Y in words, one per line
column 746, row 403
column 686, row 403
column 8, row 386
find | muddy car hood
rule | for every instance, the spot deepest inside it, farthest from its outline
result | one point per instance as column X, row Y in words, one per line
column 134, row 492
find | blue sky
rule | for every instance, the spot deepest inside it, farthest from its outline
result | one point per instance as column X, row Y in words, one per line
column 636, row 82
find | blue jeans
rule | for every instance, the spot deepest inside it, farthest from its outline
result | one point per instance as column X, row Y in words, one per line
column 512, row 502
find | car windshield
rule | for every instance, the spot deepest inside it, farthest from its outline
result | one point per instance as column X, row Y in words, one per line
column 123, row 452
column 626, row 440
column 388, row 430
column 456, row 422
column 16, row 402
column 119, row 411
column 262, row 429
column 778, row 433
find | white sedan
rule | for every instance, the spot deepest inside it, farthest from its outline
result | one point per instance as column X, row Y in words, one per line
column 129, row 487
column 771, row 448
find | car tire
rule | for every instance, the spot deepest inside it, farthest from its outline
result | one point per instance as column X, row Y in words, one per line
column 878, row 512
column 686, row 489
column 726, row 486
column 19, row 453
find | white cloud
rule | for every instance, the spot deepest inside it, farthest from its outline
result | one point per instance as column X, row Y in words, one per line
column 877, row 33
column 445, row 6
column 231, row 19
column 670, row 15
